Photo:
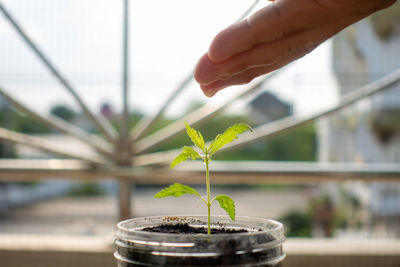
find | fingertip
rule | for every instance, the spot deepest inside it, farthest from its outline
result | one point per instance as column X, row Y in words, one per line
column 208, row 94
column 212, row 89
column 204, row 72
column 207, row 90
column 201, row 70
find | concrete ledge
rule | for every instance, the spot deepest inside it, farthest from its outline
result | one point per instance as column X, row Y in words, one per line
column 78, row 251
column 60, row 251
column 343, row 253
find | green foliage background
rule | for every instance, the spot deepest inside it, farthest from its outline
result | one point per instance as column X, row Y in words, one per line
column 297, row 145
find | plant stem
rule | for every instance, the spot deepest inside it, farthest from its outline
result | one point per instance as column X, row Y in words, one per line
column 208, row 195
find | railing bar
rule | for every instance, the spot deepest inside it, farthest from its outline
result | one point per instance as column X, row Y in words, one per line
column 144, row 125
column 61, row 125
column 125, row 75
column 286, row 124
column 203, row 113
column 248, row 10
column 244, row 172
column 293, row 167
column 104, row 126
column 35, row 142
column 43, row 164
column 125, row 190
column 219, row 166
column 124, row 184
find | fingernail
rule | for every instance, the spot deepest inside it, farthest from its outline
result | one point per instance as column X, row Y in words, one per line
column 209, row 93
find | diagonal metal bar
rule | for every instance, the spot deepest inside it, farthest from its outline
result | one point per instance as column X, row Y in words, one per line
column 283, row 125
column 249, row 9
column 203, row 113
column 144, row 125
column 39, row 143
column 289, row 123
column 61, row 125
column 104, row 126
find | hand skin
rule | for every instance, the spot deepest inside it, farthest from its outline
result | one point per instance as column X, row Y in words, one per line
column 274, row 36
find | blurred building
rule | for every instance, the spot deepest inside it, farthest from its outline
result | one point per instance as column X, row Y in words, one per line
column 107, row 111
column 267, row 107
column 368, row 132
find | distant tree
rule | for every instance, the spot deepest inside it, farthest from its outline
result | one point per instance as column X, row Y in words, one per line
column 63, row 111
column 7, row 151
column 16, row 121
column 87, row 189
column 28, row 125
column 297, row 224
column 19, row 122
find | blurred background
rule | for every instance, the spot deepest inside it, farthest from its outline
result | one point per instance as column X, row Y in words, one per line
column 84, row 41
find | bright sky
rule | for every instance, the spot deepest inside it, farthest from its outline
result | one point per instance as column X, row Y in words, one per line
column 83, row 39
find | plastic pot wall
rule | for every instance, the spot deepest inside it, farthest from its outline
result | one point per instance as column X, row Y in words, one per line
column 260, row 246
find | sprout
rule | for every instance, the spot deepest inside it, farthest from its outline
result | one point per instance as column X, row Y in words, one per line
column 220, row 141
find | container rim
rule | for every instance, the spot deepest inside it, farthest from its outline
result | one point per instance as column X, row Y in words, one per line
column 123, row 231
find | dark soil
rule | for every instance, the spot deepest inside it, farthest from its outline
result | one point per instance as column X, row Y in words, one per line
column 184, row 228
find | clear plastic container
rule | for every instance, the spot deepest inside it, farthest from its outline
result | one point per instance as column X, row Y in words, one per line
column 260, row 246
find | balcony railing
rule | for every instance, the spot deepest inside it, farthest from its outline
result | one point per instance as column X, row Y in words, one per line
column 129, row 158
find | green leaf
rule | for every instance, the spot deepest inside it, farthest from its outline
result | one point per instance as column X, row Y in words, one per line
column 176, row 190
column 187, row 152
column 196, row 137
column 227, row 204
column 228, row 136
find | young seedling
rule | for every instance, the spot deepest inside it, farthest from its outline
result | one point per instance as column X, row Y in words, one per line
column 206, row 152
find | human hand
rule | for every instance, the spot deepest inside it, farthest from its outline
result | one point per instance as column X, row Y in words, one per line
column 274, row 36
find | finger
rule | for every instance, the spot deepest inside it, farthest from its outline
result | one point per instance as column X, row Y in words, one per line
column 272, row 22
column 262, row 56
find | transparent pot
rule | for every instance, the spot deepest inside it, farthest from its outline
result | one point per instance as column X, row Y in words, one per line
column 260, row 246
